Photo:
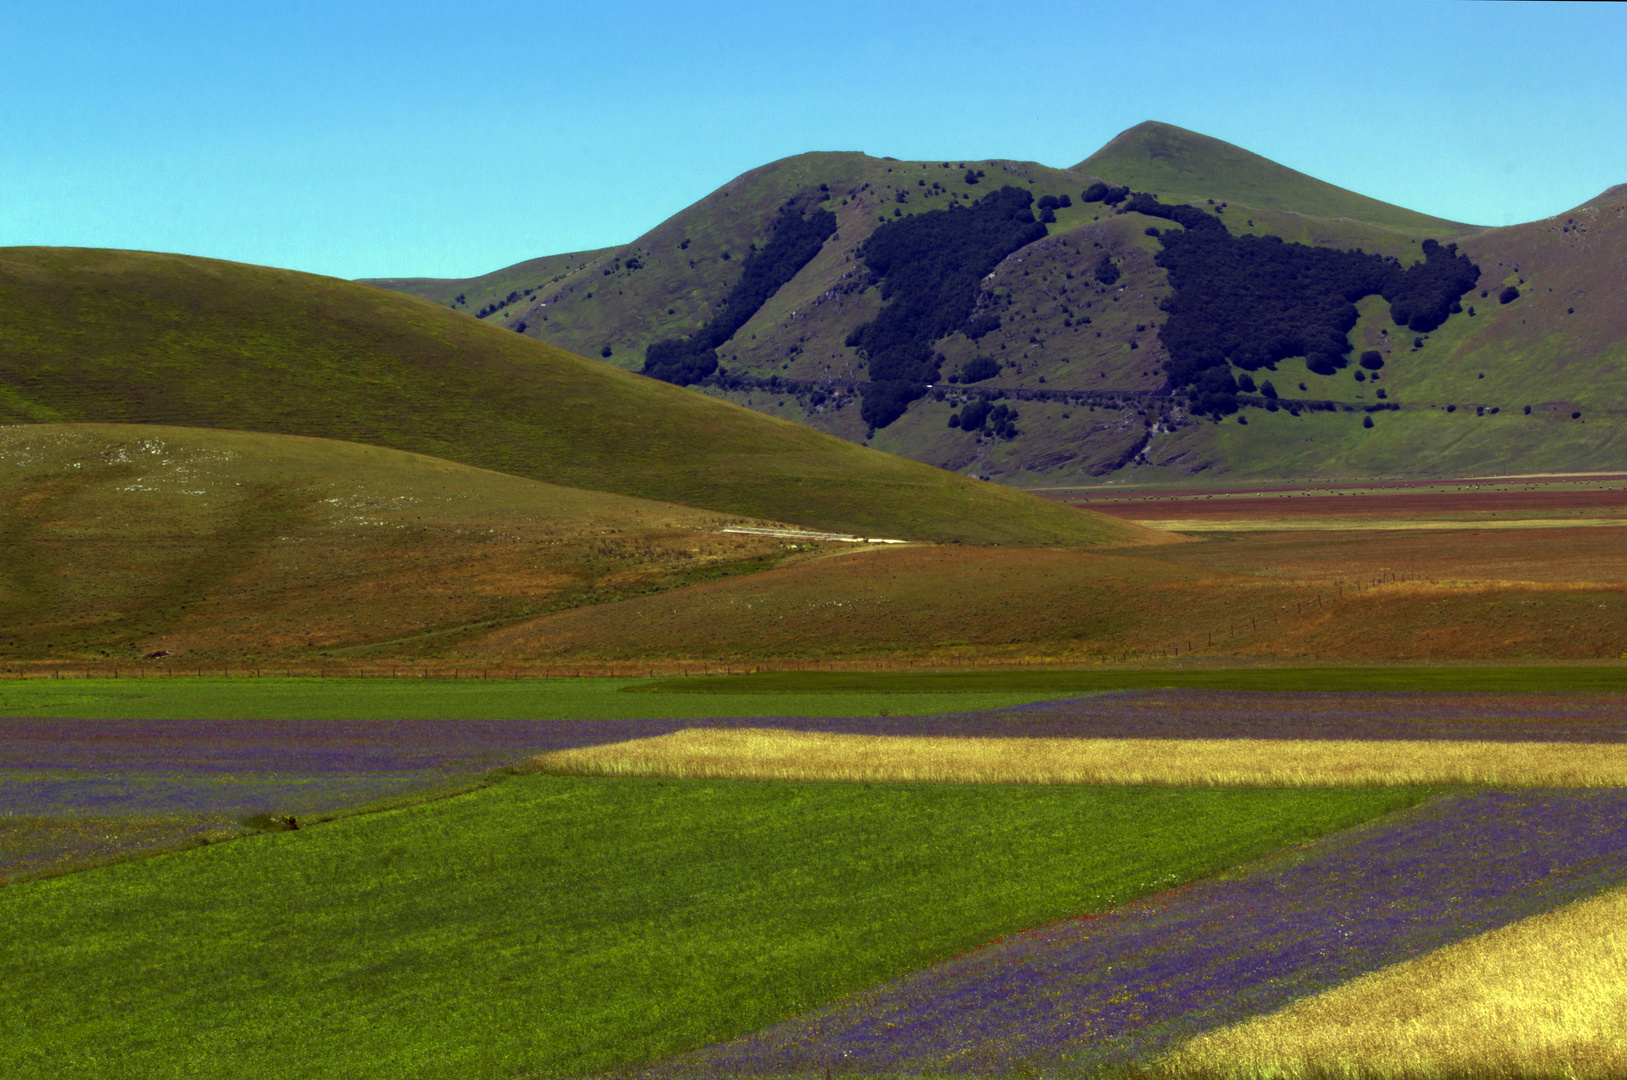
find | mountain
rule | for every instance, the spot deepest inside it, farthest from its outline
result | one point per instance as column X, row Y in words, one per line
column 1086, row 362
column 1179, row 165
column 142, row 338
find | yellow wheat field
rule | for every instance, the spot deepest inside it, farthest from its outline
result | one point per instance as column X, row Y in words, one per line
column 771, row 754
column 1544, row 997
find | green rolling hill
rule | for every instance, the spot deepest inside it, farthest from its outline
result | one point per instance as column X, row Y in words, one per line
column 1084, row 364
column 123, row 540
column 133, row 337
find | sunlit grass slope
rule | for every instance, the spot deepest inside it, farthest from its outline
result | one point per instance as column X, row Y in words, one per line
column 949, row 605
column 493, row 288
column 124, row 539
column 1543, row 997
column 554, row 927
column 1183, row 166
column 98, row 335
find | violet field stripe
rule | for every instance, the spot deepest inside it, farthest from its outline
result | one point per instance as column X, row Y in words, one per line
column 1122, row 989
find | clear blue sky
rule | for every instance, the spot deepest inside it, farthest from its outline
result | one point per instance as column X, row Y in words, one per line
column 408, row 138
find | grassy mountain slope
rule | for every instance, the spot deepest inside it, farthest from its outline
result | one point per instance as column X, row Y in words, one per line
column 1561, row 348
column 124, row 539
column 1183, row 166
column 476, row 293
column 95, row 335
column 1083, row 363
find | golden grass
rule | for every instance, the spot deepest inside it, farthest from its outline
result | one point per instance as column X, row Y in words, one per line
column 770, row 754
column 1544, row 997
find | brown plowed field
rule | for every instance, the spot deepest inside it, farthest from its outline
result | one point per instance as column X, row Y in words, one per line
column 1432, row 500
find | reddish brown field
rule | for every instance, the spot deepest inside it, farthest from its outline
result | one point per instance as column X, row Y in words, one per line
column 1530, row 496
column 1588, row 555
column 951, row 605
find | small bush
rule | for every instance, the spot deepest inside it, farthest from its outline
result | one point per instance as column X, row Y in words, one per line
column 1367, row 421
column 979, row 368
column 1508, row 295
column 1372, row 360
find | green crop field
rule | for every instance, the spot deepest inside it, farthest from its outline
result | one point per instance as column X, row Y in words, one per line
column 1328, row 680
column 481, row 699
column 552, row 927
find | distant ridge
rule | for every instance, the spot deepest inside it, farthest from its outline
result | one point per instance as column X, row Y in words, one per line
column 1179, row 165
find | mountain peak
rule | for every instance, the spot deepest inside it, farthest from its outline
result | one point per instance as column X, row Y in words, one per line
column 1179, row 165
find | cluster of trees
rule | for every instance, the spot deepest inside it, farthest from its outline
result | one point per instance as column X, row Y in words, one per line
column 1048, row 205
column 981, row 417
column 1250, row 302
column 929, row 266
column 983, row 324
column 1425, row 294
column 1107, row 272
column 795, row 240
column 1104, row 193
column 976, row 370
column 494, row 308
column 1187, row 217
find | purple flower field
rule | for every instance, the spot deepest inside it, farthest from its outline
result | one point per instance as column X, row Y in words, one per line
column 1115, row 991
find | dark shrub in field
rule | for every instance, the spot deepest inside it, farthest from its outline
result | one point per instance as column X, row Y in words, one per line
column 977, row 369
column 1508, row 295
column 983, row 324
column 1372, row 360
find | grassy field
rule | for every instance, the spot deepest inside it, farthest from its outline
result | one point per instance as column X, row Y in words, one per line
column 1610, row 678
column 217, row 545
column 772, row 754
column 134, row 337
column 479, row 699
column 1218, row 601
column 552, row 926
column 233, row 548
column 1543, row 997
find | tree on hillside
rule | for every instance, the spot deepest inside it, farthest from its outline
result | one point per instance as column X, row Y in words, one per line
column 793, row 243
column 930, row 266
